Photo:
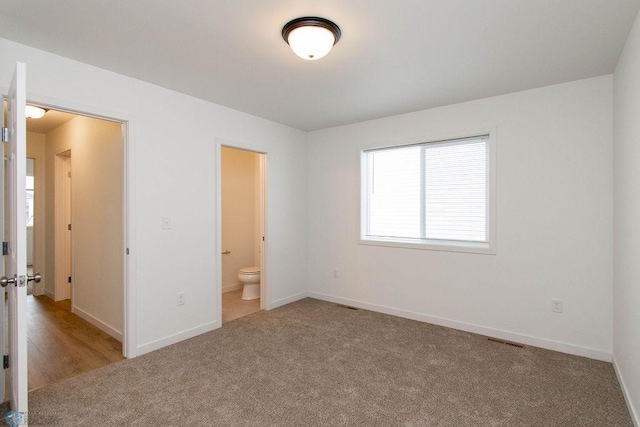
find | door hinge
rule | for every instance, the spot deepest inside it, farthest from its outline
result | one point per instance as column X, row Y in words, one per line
column 5, row 361
column 5, row 248
column 127, row 251
column 69, row 279
column 69, row 227
column 5, row 134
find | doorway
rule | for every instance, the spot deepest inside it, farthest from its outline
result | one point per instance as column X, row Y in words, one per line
column 76, row 318
column 242, row 213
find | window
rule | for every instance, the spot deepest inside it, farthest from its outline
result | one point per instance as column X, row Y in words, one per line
column 30, row 201
column 434, row 195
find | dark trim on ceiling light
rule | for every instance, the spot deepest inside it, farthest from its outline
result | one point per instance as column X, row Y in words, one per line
column 311, row 21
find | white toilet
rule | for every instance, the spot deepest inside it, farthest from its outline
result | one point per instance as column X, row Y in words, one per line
column 250, row 277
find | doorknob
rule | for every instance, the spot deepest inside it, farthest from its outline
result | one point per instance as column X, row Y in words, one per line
column 4, row 281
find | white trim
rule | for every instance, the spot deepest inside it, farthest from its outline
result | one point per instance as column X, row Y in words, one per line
column 576, row 350
column 446, row 245
column 231, row 288
column 62, row 165
column 265, row 291
column 218, row 246
column 635, row 418
column 176, row 338
column 289, row 300
column 129, row 342
column 97, row 323
column 49, row 294
column 489, row 247
column 38, row 221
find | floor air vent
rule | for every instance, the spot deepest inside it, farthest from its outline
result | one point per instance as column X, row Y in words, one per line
column 346, row 306
column 514, row 344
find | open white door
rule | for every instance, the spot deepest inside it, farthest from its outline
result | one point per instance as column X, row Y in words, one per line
column 3, row 314
column 15, row 271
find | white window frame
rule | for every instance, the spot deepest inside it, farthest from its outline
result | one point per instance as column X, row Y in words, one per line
column 488, row 247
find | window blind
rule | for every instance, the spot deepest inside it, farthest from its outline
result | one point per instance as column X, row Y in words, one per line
column 432, row 191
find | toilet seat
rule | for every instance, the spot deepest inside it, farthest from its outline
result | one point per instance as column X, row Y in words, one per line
column 249, row 271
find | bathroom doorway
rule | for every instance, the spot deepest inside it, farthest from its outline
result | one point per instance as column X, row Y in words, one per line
column 242, row 210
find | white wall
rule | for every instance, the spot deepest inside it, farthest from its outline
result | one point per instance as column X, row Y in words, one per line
column 172, row 173
column 626, row 290
column 97, row 200
column 554, row 214
column 55, row 145
column 239, row 212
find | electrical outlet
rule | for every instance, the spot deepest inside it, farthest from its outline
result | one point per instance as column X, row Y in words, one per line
column 556, row 305
column 335, row 273
column 180, row 298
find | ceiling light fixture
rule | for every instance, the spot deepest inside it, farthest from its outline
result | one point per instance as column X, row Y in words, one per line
column 311, row 38
column 33, row 112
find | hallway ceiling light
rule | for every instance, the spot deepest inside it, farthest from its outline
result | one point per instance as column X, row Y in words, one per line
column 311, row 38
column 34, row 112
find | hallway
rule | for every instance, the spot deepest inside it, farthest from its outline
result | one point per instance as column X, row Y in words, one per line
column 62, row 345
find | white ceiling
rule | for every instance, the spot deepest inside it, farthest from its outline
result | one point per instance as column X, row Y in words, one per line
column 51, row 120
column 395, row 56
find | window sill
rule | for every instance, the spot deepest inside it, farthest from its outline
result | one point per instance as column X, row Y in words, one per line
column 433, row 245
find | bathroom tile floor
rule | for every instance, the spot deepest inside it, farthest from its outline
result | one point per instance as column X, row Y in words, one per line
column 233, row 306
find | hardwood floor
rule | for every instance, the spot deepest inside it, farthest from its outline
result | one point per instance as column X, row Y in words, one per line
column 62, row 345
column 233, row 306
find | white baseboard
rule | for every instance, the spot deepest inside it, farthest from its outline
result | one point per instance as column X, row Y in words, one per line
column 50, row 294
column 184, row 335
column 97, row 323
column 231, row 288
column 473, row 328
column 632, row 410
column 175, row 338
column 289, row 300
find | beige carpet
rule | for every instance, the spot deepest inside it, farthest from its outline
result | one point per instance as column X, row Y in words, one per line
column 314, row 363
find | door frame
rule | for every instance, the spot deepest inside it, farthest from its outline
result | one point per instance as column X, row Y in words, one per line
column 38, row 221
column 62, row 211
column 265, row 289
column 129, row 339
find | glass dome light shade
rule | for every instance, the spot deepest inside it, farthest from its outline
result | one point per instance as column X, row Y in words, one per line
column 310, row 37
column 33, row 112
column 311, row 43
